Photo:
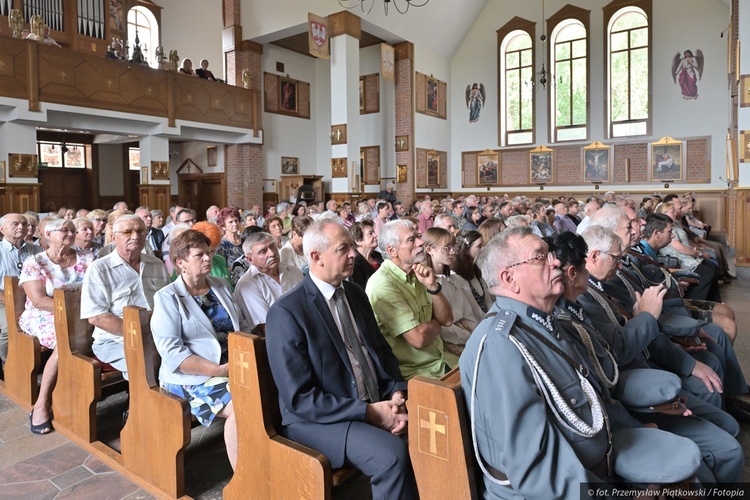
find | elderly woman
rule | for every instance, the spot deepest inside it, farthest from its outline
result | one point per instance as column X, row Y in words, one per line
column 59, row 266
column 157, row 218
column 275, row 227
column 470, row 243
column 249, row 218
column 440, row 254
column 229, row 221
column 219, row 267
column 367, row 261
column 99, row 218
column 192, row 318
column 292, row 253
column 33, row 221
column 85, row 236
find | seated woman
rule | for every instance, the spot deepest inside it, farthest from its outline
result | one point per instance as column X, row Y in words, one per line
column 60, row 266
column 491, row 228
column 33, row 221
column 472, row 218
column 187, row 68
column 219, row 267
column 249, row 218
column 470, row 243
column 275, row 227
column 229, row 221
column 367, row 261
column 99, row 218
column 190, row 323
column 292, row 253
column 440, row 254
column 157, row 218
column 68, row 213
column 85, row 236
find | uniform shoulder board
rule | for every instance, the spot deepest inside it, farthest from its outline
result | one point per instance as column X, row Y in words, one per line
column 501, row 321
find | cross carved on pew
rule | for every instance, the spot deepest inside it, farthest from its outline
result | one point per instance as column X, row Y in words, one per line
column 132, row 331
column 60, row 311
column 433, row 428
column 243, row 365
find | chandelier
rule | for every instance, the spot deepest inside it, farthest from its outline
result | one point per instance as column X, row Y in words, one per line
column 402, row 6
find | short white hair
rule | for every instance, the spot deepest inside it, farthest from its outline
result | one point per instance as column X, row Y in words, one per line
column 498, row 254
column 602, row 239
column 389, row 235
column 609, row 216
column 316, row 239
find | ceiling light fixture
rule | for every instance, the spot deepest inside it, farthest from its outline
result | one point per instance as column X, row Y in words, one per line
column 402, row 6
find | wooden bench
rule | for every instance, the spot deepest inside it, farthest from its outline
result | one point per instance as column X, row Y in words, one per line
column 158, row 427
column 80, row 381
column 24, row 351
column 439, row 438
column 269, row 465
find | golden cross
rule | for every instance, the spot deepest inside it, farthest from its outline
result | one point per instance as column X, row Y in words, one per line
column 133, row 331
column 109, row 83
column 60, row 310
column 189, row 98
column 217, row 102
column 242, row 107
column 433, row 428
column 2, row 64
column 63, row 75
column 243, row 366
column 149, row 90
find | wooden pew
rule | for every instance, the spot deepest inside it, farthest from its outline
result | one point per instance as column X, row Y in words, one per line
column 80, row 381
column 269, row 465
column 439, row 438
column 158, row 427
column 24, row 351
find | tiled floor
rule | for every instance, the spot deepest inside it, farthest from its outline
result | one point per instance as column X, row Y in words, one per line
column 47, row 467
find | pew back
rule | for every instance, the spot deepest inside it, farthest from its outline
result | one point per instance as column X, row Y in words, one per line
column 24, row 351
column 268, row 465
column 158, row 427
column 439, row 438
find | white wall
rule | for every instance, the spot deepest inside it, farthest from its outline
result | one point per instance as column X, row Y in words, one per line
column 194, row 27
column 476, row 61
column 197, row 152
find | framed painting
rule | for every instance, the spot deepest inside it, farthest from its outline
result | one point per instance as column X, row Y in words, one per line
column 2, row 172
column 432, row 96
column 144, row 175
column 288, row 95
column 401, row 173
column 596, row 163
column 211, row 156
column 289, row 165
column 541, row 165
column 361, row 95
column 665, row 163
column 23, row 165
column 488, row 168
column 338, row 167
column 433, row 169
column 159, row 170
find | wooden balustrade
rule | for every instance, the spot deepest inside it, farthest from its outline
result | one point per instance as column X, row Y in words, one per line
column 41, row 73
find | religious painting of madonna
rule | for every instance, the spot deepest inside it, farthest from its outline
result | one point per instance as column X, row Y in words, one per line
column 666, row 161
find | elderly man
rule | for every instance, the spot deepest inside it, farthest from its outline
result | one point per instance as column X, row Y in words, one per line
column 445, row 220
column 181, row 216
column 125, row 277
column 154, row 236
column 424, row 219
column 13, row 251
column 120, row 205
column 588, row 210
column 340, row 390
column 409, row 304
column 212, row 212
column 562, row 222
column 544, row 447
column 265, row 281
column 388, row 194
column 506, row 210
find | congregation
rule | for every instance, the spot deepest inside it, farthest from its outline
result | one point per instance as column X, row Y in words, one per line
column 572, row 322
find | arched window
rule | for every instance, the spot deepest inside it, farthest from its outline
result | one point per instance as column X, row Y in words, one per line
column 628, row 72
column 568, row 107
column 142, row 21
column 517, row 91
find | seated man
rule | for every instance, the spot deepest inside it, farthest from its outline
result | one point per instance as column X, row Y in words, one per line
column 265, row 281
column 409, row 304
column 340, row 390
column 125, row 277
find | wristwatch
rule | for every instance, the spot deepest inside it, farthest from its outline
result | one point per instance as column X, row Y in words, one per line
column 436, row 291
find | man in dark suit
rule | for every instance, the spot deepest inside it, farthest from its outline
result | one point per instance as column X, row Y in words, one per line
column 154, row 236
column 340, row 388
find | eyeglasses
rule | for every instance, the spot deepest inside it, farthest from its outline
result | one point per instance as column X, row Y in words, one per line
column 449, row 249
column 538, row 259
column 129, row 232
column 101, row 219
column 64, row 230
column 614, row 255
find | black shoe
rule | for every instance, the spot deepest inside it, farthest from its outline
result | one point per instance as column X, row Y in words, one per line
column 738, row 407
column 728, row 277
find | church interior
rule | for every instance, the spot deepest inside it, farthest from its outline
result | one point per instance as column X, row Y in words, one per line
column 447, row 98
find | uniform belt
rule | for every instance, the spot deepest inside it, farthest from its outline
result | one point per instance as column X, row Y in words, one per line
column 601, row 470
column 495, row 473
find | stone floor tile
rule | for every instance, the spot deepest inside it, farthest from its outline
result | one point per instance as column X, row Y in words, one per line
column 28, row 446
column 6, row 404
column 37, row 490
column 71, row 477
column 46, row 465
column 140, row 495
column 13, row 418
column 110, row 486
column 95, row 465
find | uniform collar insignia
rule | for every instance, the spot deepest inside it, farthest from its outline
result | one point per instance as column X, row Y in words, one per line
column 541, row 317
column 574, row 309
column 637, row 249
column 596, row 283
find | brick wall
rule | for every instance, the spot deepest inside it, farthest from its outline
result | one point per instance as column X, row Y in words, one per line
column 405, row 125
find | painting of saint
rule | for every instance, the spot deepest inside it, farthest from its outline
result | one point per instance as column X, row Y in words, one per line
column 432, row 95
column 541, row 167
column 433, row 170
column 288, row 95
column 475, row 96
column 597, row 165
column 687, row 69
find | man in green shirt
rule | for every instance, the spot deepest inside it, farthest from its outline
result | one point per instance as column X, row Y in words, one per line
column 409, row 305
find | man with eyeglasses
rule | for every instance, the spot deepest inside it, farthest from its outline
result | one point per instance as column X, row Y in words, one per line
column 13, row 251
column 125, row 277
column 154, row 236
column 536, row 416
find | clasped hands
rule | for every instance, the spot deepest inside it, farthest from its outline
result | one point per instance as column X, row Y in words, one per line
column 389, row 415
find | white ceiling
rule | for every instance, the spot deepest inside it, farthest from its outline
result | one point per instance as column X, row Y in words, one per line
column 440, row 25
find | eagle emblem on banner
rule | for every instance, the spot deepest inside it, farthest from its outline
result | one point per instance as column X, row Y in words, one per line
column 317, row 35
